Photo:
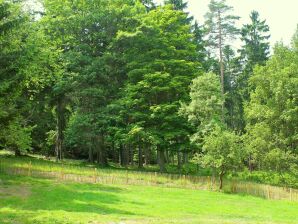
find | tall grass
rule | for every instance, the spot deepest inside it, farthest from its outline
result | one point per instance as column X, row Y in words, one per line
column 75, row 172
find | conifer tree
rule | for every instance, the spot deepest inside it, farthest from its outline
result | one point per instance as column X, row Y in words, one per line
column 221, row 27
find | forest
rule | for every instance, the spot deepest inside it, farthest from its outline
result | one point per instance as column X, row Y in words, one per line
column 131, row 82
column 140, row 86
column 133, row 111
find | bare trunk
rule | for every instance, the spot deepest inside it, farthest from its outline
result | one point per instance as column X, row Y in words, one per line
column 185, row 157
column 17, row 152
column 60, row 128
column 161, row 160
column 167, row 156
column 179, row 160
column 221, row 175
column 221, row 63
column 123, row 155
column 147, row 155
column 101, row 153
column 140, row 156
column 250, row 165
column 131, row 155
column 91, row 160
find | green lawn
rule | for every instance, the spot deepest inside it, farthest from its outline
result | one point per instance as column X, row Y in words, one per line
column 38, row 200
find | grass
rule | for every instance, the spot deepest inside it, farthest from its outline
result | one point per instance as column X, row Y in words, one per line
column 46, row 201
column 74, row 170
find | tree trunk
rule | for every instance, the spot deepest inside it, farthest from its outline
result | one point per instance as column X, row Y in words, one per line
column 185, row 157
column 91, row 160
column 250, row 165
column 60, row 111
column 167, row 156
column 17, row 152
column 101, row 153
column 161, row 160
column 121, row 155
column 221, row 64
column 140, row 156
column 147, row 154
column 124, row 155
column 179, row 160
column 221, row 175
column 131, row 154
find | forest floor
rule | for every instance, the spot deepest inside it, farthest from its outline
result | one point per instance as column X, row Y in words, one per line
column 46, row 201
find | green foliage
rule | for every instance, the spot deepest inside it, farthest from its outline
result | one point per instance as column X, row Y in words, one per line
column 220, row 24
column 254, row 52
column 116, row 80
column 159, row 78
column 267, row 177
column 272, row 111
column 222, row 150
column 17, row 137
column 204, row 109
column 177, row 4
column 255, row 37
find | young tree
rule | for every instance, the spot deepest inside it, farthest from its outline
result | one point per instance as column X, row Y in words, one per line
column 204, row 109
column 222, row 151
column 221, row 27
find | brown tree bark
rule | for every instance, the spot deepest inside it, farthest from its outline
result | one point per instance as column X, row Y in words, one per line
column 17, row 152
column 161, row 160
column 140, row 156
column 101, row 152
column 221, row 175
column 179, row 160
column 221, row 63
column 60, row 111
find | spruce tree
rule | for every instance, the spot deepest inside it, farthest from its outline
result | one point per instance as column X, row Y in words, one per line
column 255, row 50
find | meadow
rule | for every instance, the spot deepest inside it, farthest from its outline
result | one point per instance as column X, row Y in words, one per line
column 43, row 201
column 35, row 190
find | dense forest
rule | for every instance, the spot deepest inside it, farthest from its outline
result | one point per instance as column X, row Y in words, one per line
column 135, row 83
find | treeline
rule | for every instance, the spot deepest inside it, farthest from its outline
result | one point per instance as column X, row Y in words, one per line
column 132, row 82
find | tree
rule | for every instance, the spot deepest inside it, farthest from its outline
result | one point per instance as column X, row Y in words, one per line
column 233, row 100
column 18, row 137
column 255, row 50
column 149, row 4
column 15, row 130
column 84, row 39
column 220, row 27
column 222, row 151
column 255, row 37
column 177, row 4
column 204, row 109
column 201, row 45
column 159, row 77
column 271, row 114
column 220, row 148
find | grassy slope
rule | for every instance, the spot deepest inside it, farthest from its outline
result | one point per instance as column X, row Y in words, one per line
column 36, row 200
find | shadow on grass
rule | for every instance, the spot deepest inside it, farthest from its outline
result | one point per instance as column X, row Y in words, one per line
column 70, row 197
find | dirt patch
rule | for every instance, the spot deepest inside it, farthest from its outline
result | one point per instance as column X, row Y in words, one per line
column 14, row 191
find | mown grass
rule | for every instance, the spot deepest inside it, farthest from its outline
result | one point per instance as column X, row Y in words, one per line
column 46, row 201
